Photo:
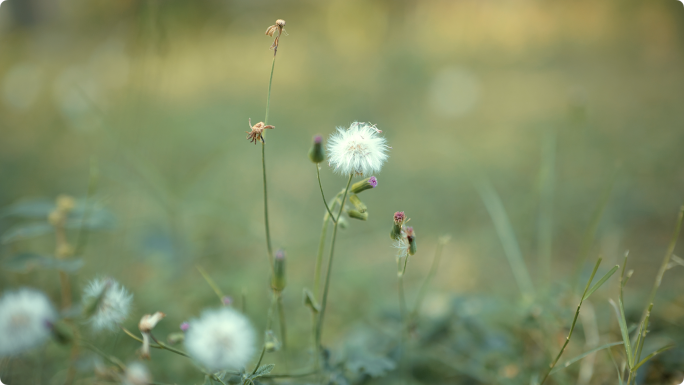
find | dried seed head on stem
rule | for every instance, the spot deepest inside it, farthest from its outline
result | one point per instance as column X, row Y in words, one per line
column 270, row 31
column 257, row 130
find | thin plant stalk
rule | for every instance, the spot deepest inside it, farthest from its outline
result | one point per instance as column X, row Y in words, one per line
column 574, row 321
column 321, row 247
column 263, row 167
column 160, row 345
column 268, row 327
column 281, row 321
column 666, row 262
column 318, row 174
column 545, row 222
column 319, row 326
column 431, row 275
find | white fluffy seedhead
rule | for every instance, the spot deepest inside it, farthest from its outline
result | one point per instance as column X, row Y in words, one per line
column 113, row 307
column 358, row 150
column 26, row 318
column 221, row 339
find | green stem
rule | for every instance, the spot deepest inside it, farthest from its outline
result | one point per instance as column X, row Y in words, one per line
column 318, row 174
column 574, row 321
column 281, row 320
column 319, row 326
column 160, row 346
column 263, row 164
column 268, row 327
column 429, row 278
column 321, row 248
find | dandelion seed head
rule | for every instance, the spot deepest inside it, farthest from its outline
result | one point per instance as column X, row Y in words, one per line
column 358, row 150
column 26, row 318
column 221, row 339
column 114, row 306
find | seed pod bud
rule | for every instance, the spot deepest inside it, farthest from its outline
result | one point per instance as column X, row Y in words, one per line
column 358, row 215
column 278, row 279
column 317, row 153
column 175, row 338
column 364, row 185
column 411, row 237
column 399, row 220
column 271, row 342
column 354, row 199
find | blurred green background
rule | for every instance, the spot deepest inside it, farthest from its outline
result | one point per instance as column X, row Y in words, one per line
column 536, row 96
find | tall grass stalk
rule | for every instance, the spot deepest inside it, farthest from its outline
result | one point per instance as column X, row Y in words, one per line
column 574, row 321
column 505, row 231
column 324, row 302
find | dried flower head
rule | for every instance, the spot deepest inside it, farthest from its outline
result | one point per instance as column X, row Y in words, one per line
column 257, row 131
column 147, row 323
column 26, row 319
column 112, row 301
column 358, row 150
column 399, row 218
column 221, row 339
column 270, row 31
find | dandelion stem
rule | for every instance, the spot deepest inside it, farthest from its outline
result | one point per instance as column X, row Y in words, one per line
column 281, row 321
column 319, row 326
column 263, row 166
column 318, row 174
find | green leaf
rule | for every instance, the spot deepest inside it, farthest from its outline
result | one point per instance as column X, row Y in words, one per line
column 572, row 361
column 25, row 231
column 262, row 371
column 648, row 357
column 34, row 208
column 620, row 313
column 600, row 282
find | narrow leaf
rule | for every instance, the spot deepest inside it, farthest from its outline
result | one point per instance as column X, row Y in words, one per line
column 263, row 370
column 572, row 361
column 648, row 357
column 600, row 282
column 620, row 313
column 25, row 231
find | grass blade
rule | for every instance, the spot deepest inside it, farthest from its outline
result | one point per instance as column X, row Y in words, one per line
column 600, row 282
column 572, row 361
column 648, row 357
column 620, row 313
column 505, row 231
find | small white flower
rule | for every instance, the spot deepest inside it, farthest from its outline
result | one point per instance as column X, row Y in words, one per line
column 114, row 306
column 26, row 318
column 221, row 339
column 136, row 374
column 358, row 150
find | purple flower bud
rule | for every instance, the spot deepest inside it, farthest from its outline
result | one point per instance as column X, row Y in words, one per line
column 227, row 301
column 318, row 139
column 399, row 218
column 184, row 326
column 373, row 181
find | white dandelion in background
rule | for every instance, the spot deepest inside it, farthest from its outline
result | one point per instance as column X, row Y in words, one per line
column 136, row 374
column 221, row 339
column 113, row 303
column 26, row 319
column 358, row 150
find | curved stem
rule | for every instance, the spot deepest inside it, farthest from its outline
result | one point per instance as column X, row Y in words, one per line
column 429, row 278
column 321, row 248
column 160, row 346
column 318, row 174
column 319, row 326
